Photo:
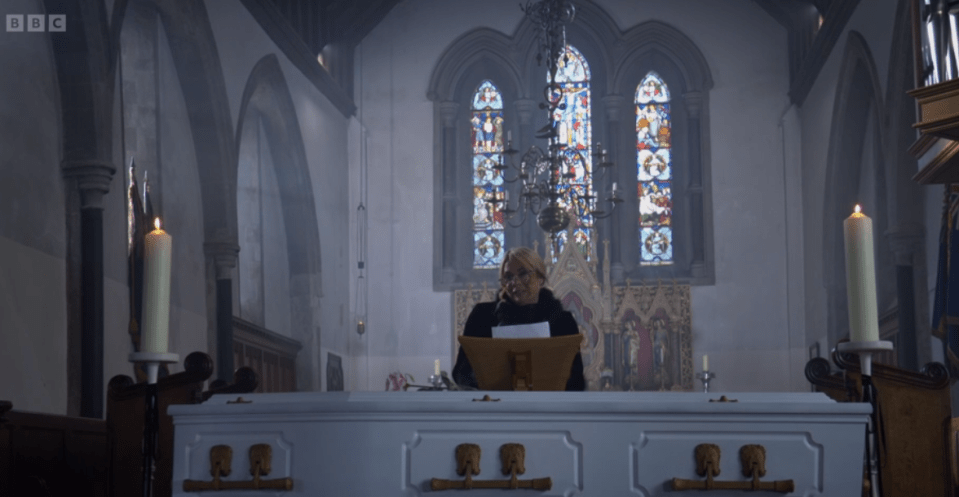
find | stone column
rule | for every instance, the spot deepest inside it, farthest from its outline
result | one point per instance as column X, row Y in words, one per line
column 623, row 168
column 92, row 178
column 224, row 256
column 694, row 106
column 905, row 243
column 448, row 112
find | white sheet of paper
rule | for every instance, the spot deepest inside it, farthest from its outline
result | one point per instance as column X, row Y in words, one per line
column 532, row 330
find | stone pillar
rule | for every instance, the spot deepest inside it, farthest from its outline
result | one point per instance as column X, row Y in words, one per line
column 694, row 106
column 905, row 244
column 448, row 112
column 224, row 256
column 93, row 180
column 623, row 168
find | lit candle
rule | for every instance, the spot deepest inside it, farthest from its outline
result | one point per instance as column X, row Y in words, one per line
column 861, row 278
column 436, row 367
column 156, row 290
column 705, row 363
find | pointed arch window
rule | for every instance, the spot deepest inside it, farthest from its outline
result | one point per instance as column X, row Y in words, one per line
column 487, row 139
column 574, row 130
column 673, row 241
column 654, row 170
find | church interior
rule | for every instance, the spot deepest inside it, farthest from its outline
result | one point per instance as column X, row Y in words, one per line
column 338, row 183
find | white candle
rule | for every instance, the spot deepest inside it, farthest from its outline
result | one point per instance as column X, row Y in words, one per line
column 614, row 188
column 705, row 363
column 509, row 135
column 861, row 278
column 156, row 291
column 436, row 367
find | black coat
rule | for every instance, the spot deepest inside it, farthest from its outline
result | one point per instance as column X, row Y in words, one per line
column 485, row 315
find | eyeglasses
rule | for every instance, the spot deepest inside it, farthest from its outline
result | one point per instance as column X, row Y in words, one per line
column 522, row 276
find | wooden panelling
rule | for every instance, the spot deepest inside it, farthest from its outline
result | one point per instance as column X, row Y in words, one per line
column 47, row 454
column 271, row 355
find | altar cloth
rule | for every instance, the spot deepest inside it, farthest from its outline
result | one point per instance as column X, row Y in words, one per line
column 586, row 443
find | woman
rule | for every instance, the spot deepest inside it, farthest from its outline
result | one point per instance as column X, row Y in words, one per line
column 522, row 299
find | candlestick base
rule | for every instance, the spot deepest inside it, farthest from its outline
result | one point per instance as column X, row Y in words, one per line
column 152, row 361
column 168, row 357
column 706, row 377
column 151, row 415
column 865, row 351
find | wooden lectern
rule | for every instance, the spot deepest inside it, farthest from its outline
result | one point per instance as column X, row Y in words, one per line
column 540, row 364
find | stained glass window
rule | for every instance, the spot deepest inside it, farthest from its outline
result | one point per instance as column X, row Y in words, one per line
column 575, row 132
column 654, row 171
column 487, row 140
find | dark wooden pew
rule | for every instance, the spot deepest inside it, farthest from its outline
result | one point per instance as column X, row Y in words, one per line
column 125, row 419
column 915, row 416
column 53, row 455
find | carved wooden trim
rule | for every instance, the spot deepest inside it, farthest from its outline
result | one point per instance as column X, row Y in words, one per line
column 198, row 367
column 265, row 339
column 943, row 168
column 934, row 375
column 818, row 373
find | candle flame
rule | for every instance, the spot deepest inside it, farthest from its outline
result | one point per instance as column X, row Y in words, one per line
column 858, row 209
column 156, row 222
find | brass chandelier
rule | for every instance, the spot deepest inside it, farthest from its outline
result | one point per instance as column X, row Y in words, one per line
column 548, row 190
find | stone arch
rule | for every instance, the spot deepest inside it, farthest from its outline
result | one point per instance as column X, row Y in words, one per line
column 858, row 104
column 592, row 32
column 654, row 45
column 654, row 39
column 481, row 46
column 477, row 55
column 197, row 62
column 267, row 97
column 194, row 53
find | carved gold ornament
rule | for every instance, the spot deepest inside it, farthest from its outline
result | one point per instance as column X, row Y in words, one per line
column 260, row 464
column 753, row 460
column 512, row 456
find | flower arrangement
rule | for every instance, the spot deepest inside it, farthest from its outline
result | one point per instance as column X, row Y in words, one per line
column 397, row 381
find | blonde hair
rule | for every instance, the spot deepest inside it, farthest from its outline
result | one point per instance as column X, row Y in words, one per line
column 528, row 259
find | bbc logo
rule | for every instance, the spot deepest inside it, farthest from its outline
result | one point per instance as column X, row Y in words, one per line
column 37, row 23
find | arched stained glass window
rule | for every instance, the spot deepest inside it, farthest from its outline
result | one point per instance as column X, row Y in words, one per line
column 575, row 132
column 487, row 139
column 654, row 171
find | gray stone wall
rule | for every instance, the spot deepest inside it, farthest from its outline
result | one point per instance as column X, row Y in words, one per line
column 33, row 295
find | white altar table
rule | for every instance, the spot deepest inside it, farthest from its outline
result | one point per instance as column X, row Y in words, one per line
column 586, row 443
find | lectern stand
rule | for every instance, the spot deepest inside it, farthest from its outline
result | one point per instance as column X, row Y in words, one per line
column 541, row 364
